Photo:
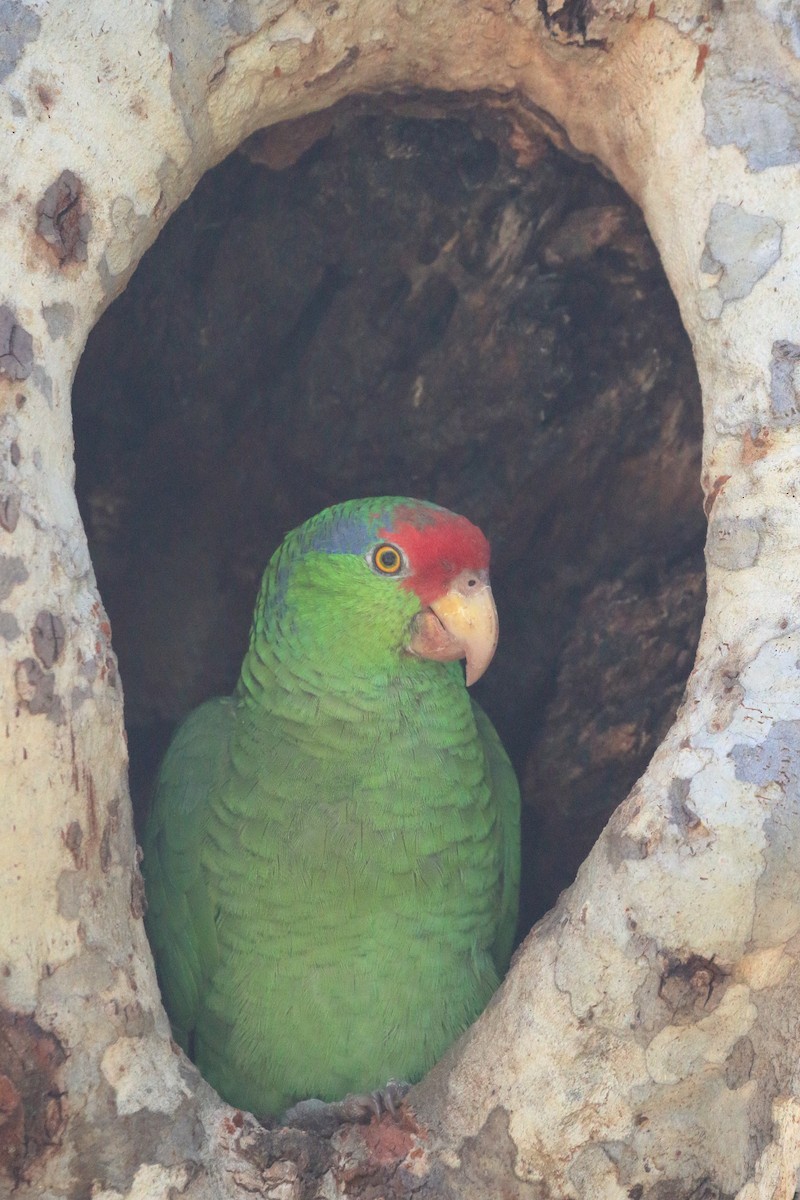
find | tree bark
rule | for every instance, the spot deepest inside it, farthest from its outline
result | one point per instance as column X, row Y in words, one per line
column 644, row 1043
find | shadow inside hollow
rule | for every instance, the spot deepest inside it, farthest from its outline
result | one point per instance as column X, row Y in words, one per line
column 404, row 310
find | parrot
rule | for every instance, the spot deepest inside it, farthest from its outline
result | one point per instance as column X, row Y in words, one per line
column 332, row 857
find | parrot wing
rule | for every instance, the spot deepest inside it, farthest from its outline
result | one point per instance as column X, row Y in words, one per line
column 181, row 907
column 505, row 794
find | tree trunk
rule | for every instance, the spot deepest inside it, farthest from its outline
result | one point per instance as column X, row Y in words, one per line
column 644, row 1043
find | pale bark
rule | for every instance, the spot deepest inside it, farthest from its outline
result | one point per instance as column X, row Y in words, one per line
column 646, row 1039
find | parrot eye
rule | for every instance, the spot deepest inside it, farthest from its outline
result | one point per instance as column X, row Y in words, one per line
column 387, row 559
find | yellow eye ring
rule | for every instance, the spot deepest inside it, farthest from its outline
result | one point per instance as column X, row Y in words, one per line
column 387, row 559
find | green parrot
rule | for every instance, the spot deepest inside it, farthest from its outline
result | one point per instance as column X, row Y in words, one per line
column 332, row 857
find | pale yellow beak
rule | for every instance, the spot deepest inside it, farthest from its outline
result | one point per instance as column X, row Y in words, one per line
column 461, row 624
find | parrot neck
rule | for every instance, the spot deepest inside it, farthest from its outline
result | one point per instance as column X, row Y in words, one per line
column 310, row 663
column 334, row 740
column 326, row 627
column 332, row 710
column 278, row 666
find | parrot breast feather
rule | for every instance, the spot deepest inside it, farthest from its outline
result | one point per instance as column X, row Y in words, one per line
column 506, row 798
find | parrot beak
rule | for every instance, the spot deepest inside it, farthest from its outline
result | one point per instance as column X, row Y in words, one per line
column 460, row 624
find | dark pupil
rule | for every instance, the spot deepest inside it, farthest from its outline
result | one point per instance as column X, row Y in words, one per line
column 388, row 559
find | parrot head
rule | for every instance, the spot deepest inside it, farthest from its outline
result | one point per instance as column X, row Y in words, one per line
column 369, row 582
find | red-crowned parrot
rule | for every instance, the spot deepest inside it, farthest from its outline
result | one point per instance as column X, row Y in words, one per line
column 332, row 858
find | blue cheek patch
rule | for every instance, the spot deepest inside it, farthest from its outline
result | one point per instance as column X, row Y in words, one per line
column 342, row 537
column 326, row 534
column 349, row 528
column 349, row 534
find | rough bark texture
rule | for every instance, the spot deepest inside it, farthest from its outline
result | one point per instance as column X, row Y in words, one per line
column 645, row 1042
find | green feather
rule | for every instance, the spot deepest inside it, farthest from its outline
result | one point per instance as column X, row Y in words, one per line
column 332, row 858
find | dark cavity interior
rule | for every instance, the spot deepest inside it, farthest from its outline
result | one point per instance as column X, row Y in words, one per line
column 406, row 309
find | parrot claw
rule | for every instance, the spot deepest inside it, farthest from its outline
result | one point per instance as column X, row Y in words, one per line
column 388, row 1098
column 323, row 1118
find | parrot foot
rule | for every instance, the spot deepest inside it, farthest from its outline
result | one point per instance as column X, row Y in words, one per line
column 322, row 1118
column 388, row 1098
